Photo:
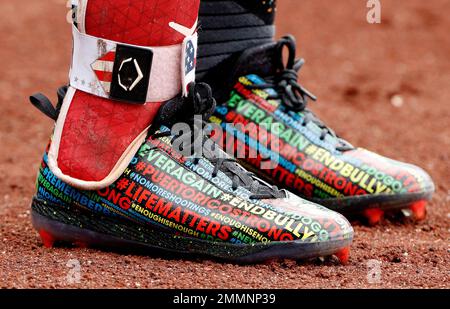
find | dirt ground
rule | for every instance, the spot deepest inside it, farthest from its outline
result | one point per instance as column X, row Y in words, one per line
column 384, row 87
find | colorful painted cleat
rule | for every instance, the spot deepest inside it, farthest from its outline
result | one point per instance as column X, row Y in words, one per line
column 265, row 111
column 115, row 174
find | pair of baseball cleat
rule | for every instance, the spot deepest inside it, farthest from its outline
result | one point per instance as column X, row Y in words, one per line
column 115, row 176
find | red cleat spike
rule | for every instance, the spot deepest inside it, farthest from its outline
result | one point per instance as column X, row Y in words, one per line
column 343, row 255
column 374, row 215
column 419, row 210
column 47, row 239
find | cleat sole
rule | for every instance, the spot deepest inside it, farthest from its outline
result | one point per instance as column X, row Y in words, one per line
column 113, row 235
column 81, row 244
column 374, row 208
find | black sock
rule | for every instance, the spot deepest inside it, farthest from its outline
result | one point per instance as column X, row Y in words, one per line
column 231, row 26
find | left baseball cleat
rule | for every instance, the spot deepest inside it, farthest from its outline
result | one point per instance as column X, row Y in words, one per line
column 206, row 206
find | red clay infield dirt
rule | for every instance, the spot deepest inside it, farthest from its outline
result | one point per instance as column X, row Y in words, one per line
column 356, row 68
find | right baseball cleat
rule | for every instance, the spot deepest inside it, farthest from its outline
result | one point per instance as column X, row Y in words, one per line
column 254, row 88
column 116, row 173
column 258, row 92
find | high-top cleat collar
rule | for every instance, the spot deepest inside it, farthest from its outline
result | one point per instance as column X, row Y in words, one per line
column 262, row 60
